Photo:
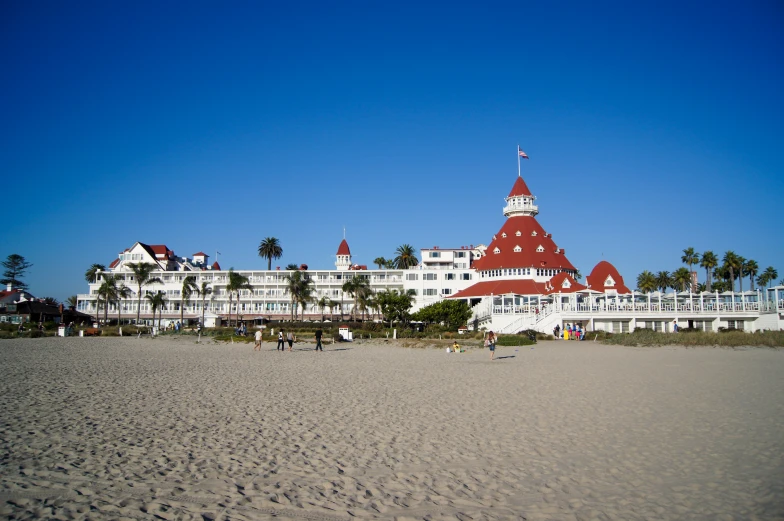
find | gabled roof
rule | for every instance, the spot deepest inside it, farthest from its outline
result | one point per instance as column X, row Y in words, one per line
column 201, row 253
column 343, row 248
column 519, row 188
column 517, row 245
column 216, row 266
column 604, row 273
column 114, row 263
column 565, row 283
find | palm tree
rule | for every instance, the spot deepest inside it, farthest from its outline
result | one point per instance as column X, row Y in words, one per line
column 771, row 274
column 691, row 258
column 709, row 261
column 237, row 282
column 750, row 270
column 292, row 267
column 142, row 272
column 364, row 297
column 293, row 280
column 646, row 282
column 355, row 287
column 270, row 249
column 731, row 264
column 157, row 303
column 322, row 303
column 331, row 304
column 381, row 262
column 663, row 280
column 188, row 288
column 91, row 275
column 406, row 257
column 305, row 292
column 108, row 291
column 72, row 301
column 741, row 268
column 204, row 290
column 681, row 278
column 123, row 292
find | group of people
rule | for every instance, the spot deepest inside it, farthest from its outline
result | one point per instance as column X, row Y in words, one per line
column 570, row 332
column 287, row 337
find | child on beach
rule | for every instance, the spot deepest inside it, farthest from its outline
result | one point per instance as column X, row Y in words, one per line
column 490, row 343
column 257, row 345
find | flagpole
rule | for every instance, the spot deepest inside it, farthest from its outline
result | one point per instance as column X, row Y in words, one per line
column 518, row 160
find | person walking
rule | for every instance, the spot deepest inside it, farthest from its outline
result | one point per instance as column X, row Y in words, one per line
column 257, row 346
column 281, row 341
column 290, row 338
column 490, row 343
column 319, row 347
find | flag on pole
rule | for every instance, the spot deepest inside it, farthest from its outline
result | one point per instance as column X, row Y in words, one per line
column 521, row 153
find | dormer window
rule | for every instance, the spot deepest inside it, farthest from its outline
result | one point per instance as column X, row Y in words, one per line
column 540, row 249
column 566, row 284
column 609, row 282
column 518, row 249
column 497, row 250
column 503, row 235
column 493, row 237
column 533, row 233
column 558, row 250
column 517, row 233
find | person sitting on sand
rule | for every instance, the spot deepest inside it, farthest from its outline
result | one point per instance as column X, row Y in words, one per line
column 456, row 347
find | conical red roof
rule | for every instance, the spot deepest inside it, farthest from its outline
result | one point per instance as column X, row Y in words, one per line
column 343, row 248
column 519, row 188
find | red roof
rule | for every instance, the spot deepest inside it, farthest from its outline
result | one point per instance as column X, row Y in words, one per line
column 599, row 277
column 216, row 266
column 519, row 188
column 114, row 263
column 200, row 253
column 343, row 248
column 518, row 231
column 557, row 284
column 503, row 287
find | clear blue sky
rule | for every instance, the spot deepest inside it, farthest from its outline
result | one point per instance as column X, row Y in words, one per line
column 651, row 127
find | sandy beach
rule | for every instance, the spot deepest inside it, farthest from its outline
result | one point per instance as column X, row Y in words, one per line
column 127, row 428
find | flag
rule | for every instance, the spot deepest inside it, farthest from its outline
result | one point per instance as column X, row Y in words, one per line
column 219, row 253
column 521, row 153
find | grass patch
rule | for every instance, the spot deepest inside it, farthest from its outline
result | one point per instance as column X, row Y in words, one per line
column 649, row 338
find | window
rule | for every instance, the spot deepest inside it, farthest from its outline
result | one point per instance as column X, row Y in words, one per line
column 431, row 292
column 503, row 235
column 540, row 249
column 518, row 249
column 446, row 291
column 465, row 276
column 435, row 254
column 518, row 233
column 412, row 276
column 533, row 233
column 460, row 254
column 429, row 276
column 450, row 276
column 497, row 250
column 609, row 282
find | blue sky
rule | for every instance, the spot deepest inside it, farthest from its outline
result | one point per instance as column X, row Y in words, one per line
column 651, row 127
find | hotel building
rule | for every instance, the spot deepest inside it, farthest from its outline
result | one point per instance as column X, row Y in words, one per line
column 521, row 280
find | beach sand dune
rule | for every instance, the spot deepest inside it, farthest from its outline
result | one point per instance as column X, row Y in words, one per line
column 127, row 428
